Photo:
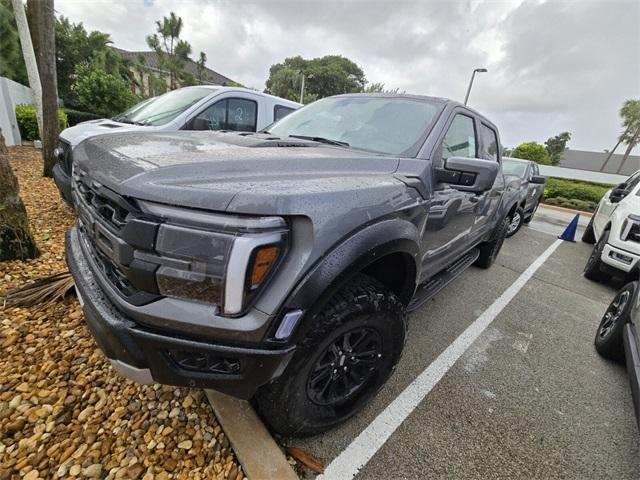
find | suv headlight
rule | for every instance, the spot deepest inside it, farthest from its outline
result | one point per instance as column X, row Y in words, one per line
column 214, row 258
column 631, row 229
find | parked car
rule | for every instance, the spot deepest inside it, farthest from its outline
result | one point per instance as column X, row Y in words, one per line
column 531, row 188
column 618, row 339
column 203, row 107
column 614, row 228
column 280, row 266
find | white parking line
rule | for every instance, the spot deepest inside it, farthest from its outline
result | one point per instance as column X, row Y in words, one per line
column 364, row 446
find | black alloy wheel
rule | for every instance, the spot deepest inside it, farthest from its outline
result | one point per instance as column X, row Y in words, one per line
column 345, row 367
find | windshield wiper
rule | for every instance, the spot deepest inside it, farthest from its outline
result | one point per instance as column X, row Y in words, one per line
column 328, row 141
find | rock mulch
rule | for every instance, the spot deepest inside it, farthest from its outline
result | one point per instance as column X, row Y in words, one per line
column 63, row 411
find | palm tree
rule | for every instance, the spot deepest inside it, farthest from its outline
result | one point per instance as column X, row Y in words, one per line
column 630, row 112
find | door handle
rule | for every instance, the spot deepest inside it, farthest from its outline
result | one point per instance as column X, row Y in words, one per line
column 474, row 199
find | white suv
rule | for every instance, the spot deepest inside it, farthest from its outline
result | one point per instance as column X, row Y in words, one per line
column 615, row 230
column 201, row 107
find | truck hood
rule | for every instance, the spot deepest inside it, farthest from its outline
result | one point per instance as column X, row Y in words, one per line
column 76, row 134
column 239, row 172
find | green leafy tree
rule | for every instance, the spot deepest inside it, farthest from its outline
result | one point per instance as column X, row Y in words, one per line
column 101, row 92
column 532, row 151
column 171, row 50
column 556, row 146
column 11, row 61
column 74, row 45
column 325, row 76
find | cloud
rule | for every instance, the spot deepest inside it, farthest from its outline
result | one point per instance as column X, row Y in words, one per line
column 553, row 66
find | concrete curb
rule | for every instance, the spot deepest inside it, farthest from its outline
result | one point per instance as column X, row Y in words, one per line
column 257, row 452
column 567, row 210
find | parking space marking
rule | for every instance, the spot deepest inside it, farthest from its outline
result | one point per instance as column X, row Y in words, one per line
column 371, row 439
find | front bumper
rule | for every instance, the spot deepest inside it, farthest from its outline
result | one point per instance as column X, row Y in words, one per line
column 154, row 355
column 619, row 259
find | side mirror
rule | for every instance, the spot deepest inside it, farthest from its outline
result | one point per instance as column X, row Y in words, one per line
column 617, row 194
column 468, row 174
column 539, row 179
column 199, row 123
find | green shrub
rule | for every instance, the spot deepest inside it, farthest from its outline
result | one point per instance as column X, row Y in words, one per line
column 574, row 190
column 76, row 116
column 28, row 121
column 100, row 92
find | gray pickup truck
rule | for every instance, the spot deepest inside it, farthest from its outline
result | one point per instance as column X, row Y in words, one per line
column 525, row 176
column 280, row 265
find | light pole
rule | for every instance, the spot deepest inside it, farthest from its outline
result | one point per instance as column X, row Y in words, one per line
column 302, row 90
column 479, row 70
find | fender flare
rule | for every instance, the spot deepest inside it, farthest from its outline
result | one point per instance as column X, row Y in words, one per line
column 349, row 257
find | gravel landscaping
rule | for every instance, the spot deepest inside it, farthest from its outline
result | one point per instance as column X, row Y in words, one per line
column 63, row 411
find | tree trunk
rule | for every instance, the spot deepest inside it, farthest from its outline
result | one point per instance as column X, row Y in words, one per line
column 16, row 241
column 42, row 24
column 632, row 143
column 613, row 150
column 29, row 58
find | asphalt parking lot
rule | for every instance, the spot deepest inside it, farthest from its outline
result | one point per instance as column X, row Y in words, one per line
column 529, row 398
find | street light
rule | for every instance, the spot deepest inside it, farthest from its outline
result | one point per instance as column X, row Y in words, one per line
column 479, row 70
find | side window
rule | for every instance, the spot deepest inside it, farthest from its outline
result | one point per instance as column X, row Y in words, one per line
column 460, row 140
column 280, row 111
column 536, row 170
column 242, row 115
column 489, row 143
column 211, row 118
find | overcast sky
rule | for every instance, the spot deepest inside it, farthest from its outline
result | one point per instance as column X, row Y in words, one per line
column 554, row 65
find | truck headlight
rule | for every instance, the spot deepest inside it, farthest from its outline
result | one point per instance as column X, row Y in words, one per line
column 631, row 229
column 214, row 258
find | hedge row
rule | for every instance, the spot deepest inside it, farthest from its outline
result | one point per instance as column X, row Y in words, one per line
column 28, row 121
column 76, row 116
column 575, row 190
column 572, row 203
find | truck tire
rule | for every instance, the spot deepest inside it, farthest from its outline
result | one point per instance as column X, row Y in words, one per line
column 344, row 360
column 608, row 341
column 515, row 222
column 589, row 236
column 593, row 268
column 489, row 250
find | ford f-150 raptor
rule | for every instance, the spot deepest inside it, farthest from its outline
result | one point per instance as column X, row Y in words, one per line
column 280, row 265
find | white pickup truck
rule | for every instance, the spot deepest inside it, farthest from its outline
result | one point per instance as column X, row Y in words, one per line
column 615, row 231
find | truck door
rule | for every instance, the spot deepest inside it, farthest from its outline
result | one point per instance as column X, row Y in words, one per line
column 452, row 212
column 488, row 202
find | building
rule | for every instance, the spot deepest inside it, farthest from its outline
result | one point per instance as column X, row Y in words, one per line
column 593, row 161
column 146, row 70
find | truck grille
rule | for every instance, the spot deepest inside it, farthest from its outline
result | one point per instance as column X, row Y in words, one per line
column 108, row 209
column 103, row 220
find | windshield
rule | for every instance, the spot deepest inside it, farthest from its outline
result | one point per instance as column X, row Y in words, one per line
column 126, row 114
column 165, row 108
column 514, row 167
column 391, row 125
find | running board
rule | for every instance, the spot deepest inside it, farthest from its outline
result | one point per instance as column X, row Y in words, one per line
column 428, row 290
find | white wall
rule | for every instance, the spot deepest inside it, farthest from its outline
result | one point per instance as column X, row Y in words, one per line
column 12, row 94
column 585, row 175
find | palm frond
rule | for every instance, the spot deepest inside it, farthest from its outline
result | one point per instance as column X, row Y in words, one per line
column 42, row 292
